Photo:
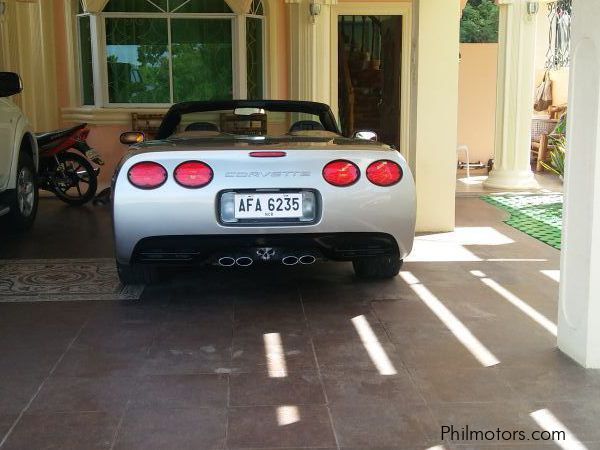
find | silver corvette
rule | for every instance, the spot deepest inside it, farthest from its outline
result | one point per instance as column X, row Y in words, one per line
column 237, row 183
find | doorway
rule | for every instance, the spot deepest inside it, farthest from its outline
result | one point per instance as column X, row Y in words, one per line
column 369, row 75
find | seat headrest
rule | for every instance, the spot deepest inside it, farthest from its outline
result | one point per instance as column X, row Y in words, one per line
column 202, row 126
column 307, row 125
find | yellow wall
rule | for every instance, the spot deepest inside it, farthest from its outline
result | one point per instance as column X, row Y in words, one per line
column 560, row 84
column 278, row 53
column 477, row 99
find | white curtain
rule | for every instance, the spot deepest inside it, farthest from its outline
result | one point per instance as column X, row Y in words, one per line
column 239, row 6
column 94, row 6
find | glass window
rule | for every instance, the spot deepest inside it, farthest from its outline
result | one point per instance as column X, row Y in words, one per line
column 256, row 8
column 166, row 51
column 199, row 6
column 254, row 56
column 85, row 60
column 202, row 59
column 136, row 6
column 137, row 57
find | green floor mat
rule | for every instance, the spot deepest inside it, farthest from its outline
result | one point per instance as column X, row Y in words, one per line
column 539, row 216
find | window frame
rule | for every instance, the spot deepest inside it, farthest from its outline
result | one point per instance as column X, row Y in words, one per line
column 263, row 27
column 99, row 53
column 78, row 62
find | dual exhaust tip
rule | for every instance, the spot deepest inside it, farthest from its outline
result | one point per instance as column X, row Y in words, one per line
column 230, row 261
column 292, row 260
column 246, row 261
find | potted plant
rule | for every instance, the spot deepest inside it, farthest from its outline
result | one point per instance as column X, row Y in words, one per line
column 556, row 163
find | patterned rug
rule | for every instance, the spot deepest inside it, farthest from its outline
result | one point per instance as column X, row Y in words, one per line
column 539, row 216
column 59, row 280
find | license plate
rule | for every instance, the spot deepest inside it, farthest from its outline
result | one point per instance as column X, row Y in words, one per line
column 267, row 206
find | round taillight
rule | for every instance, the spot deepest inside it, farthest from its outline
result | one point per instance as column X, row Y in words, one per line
column 147, row 175
column 341, row 173
column 193, row 174
column 384, row 173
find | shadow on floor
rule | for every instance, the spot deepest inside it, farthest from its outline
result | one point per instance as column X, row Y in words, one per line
column 306, row 357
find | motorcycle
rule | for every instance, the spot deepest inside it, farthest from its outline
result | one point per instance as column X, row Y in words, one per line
column 65, row 165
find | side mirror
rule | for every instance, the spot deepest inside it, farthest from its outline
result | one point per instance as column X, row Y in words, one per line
column 366, row 135
column 10, row 84
column 132, row 137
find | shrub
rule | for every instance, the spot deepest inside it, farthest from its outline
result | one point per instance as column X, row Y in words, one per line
column 479, row 22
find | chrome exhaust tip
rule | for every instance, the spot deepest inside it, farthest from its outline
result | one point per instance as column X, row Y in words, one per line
column 307, row 259
column 290, row 260
column 227, row 261
column 244, row 261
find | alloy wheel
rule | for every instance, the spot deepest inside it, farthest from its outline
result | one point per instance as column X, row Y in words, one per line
column 25, row 191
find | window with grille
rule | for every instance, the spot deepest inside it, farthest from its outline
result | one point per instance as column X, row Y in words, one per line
column 159, row 52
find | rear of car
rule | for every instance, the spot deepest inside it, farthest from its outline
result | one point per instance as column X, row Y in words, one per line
column 237, row 204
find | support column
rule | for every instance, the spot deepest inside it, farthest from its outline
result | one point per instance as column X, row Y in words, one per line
column 579, row 304
column 310, row 51
column 516, row 78
column 434, row 114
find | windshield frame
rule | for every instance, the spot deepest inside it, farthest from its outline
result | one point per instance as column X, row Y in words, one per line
column 172, row 118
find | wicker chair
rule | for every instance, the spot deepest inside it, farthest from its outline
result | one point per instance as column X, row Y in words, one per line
column 541, row 129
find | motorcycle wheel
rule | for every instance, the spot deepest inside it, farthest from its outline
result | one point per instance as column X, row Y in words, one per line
column 78, row 184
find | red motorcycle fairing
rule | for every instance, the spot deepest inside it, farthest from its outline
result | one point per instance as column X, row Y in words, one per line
column 54, row 142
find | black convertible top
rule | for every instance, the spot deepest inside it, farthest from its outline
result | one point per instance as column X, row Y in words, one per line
column 173, row 116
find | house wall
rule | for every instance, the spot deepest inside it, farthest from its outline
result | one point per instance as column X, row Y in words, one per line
column 42, row 47
column 477, row 99
column 105, row 130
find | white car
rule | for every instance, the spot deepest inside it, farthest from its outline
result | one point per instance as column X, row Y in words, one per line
column 243, row 182
column 18, row 158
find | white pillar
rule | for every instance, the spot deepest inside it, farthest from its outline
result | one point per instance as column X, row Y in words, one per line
column 516, row 78
column 310, row 51
column 434, row 113
column 579, row 305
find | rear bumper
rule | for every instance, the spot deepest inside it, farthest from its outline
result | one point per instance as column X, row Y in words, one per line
column 167, row 250
column 172, row 215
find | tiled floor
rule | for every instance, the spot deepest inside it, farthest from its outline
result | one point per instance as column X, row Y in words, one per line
column 298, row 358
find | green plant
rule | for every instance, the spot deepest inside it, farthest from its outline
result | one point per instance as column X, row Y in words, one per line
column 479, row 22
column 557, row 156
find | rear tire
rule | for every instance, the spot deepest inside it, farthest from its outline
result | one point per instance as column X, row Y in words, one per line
column 24, row 202
column 377, row 267
column 137, row 274
column 84, row 177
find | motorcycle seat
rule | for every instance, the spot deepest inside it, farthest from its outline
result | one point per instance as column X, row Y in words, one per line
column 50, row 136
